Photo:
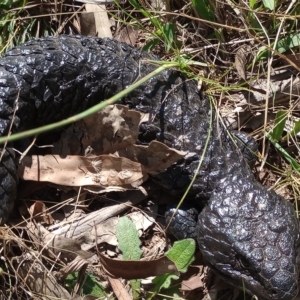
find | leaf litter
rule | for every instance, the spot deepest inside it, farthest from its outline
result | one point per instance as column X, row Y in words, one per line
column 112, row 158
column 99, row 155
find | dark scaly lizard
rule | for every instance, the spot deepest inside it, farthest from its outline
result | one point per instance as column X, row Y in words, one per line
column 247, row 234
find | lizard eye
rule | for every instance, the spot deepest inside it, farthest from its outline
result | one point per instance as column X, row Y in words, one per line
column 243, row 262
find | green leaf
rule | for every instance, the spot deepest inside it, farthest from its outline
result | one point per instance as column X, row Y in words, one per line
column 169, row 34
column 182, row 254
column 288, row 42
column 135, row 4
column 163, row 281
column 203, row 9
column 252, row 3
column 129, row 244
column 280, row 121
column 7, row 4
column 270, row 4
column 91, row 285
column 150, row 45
column 128, row 238
column 136, row 288
column 285, row 44
column 290, row 159
column 171, row 291
column 154, row 20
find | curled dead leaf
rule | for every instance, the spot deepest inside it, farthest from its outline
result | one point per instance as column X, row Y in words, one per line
column 39, row 212
column 133, row 269
column 241, row 59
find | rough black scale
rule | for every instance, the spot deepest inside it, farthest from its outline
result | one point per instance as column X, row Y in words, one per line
column 247, row 234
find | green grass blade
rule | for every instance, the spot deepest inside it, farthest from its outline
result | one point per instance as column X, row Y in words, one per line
column 288, row 158
column 153, row 19
column 150, row 45
column 280, row 120
column 252, row 3
column 203, row 9
column 169, row 35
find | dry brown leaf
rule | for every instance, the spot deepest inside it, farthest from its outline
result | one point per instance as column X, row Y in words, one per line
column 192, row 283
column 101, row 171
column 38, row 211
column 141, row 221
column 155, row 158
column 241, row 61
column 134, row 269
column 127, row 34
column 105, row 232
column 113, row 128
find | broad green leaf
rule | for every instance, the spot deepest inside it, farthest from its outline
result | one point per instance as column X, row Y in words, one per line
column 270, row 4
column 280, row 121
column 285, row 44
column 182, row 253
column 288, row 42
column 163, row 281
column 128, row 238
column 91, row 285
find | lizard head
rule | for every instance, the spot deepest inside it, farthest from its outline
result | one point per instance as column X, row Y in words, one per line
column 250, row 236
